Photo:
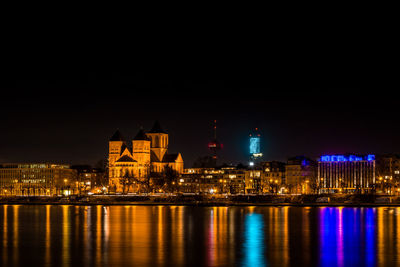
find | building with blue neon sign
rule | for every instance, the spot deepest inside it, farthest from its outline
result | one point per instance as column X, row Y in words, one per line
column 346, row 173
column 343, row 158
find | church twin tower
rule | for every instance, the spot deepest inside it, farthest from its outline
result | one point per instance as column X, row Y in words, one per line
column 148, row 153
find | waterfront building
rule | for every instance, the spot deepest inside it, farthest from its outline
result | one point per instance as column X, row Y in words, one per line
column 236, row 178
column 346, row 173
column 90, row 180
column 147, row 155
column 253, row 180
column 203, row 180
column 273, row 178
column 226, row 180
column 388, row 173
column 37, row 179
column 300, row 175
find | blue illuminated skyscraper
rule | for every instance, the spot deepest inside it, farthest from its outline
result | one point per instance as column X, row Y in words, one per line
column 255, row 147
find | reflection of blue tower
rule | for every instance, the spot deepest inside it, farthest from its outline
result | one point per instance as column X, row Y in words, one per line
column 254, row 240
column 255, row 147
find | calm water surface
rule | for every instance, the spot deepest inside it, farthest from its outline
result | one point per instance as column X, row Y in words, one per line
column 198, row 236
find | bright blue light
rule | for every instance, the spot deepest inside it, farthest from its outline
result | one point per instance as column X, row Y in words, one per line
column 342, row 158
column 325, row 158
column 254, row 145
column 370, row 237
column 254, row 244
column 347, row 237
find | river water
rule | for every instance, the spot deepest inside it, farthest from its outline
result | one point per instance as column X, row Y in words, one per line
column 198, row 236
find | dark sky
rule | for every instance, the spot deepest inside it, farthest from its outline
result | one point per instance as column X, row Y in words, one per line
column 68, row 116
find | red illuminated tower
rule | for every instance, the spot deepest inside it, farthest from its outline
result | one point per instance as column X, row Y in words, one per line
column 214, row 145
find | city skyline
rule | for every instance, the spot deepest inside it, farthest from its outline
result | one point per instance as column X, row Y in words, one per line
column 68, row 118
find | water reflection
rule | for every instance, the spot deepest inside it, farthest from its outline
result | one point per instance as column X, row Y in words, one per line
column 347, row 236
column 253, row 246
column 5, row 235
column 209, row 236
column 370, row 237
column 48, row 237
column 65, row 236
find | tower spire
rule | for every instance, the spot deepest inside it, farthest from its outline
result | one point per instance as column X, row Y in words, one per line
column 215, row 129
column 214, row 145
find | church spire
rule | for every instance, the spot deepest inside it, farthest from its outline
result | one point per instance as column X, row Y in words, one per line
column 117, row 136
column 141, row 135
column 157, row 128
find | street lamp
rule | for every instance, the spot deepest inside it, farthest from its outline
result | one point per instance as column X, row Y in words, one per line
column 65, row 185
column 320, row 184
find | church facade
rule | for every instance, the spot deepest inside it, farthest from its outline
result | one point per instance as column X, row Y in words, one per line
column 146, row 155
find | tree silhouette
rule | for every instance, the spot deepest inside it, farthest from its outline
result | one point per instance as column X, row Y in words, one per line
column 314, row 186
column 147, row 179
column 170, row 178
column 127, row 180
column 157, row 181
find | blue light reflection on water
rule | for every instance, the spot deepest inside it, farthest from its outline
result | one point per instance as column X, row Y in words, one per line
column 254, row 245
column 327, row 237
column 370, row 237
column 341, row 241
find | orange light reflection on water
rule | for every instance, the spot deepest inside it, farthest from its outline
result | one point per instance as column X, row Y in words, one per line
column 5, row 235
column 179, row 235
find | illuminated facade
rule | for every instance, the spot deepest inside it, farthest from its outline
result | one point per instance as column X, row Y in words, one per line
column 213, row 181
column 388, row 166
column 273, row 178
column 346, row 173
column 148, row 154
column 90, row 180
column 255, row 147
column 253, row 181
column 300, row 175
column 29, row 179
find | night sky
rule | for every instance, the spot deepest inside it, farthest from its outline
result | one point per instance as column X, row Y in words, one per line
column 68, row 116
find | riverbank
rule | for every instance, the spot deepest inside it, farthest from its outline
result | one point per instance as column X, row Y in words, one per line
column 210, row 204
column 212, row 201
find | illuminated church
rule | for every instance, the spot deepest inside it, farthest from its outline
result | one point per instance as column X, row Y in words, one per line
column 147, row 154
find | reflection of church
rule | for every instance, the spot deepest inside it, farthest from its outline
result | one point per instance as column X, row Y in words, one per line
column 148, row 153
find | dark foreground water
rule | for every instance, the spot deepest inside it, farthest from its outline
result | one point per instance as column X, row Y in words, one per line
column 198, row 236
